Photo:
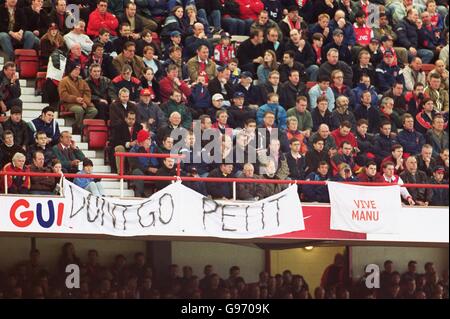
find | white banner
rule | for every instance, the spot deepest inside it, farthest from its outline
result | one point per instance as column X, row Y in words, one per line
column 364, row 209
column 174, row 211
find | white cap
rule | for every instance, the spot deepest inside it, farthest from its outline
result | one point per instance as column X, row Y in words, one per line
column 217, row 97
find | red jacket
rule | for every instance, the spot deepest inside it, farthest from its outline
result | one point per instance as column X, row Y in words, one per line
column 363, row 34
column 338, row 138
column 13, row 181
column 98, row 21
column 166, row 87
column 250, row 8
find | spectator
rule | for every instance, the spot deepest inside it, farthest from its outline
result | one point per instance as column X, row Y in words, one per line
column 17, row 184
column 443, row 160
column 363, row 67
column 295, row 160
column 292, row 89
column 316, row 155
column 365, row 85
column 288, row 64
column 148, row 113
column 411, row 175
column 334, row 273
column 104, row 39
column 9, row 87
column 151, row 62
column 367, row 110
column 251, row 92
column 321, row 114
column 224, row 51
column 437, row 137
column 167, row 169
column 175, row 104
column 273, row 37
column 425, row 160
column 173, row 128
column 369, row 174
column 59, row 16
column 68, row 153
column 250, row 52
column 388, row 176
column 269, row 64
column 75, row 57
column 442, row 72
column 13, row 29
column 124, row 36
column 40, row 145
column 322, row 89
column 270, row 171
column 128, row 81
column 437, row 94
column 396, row 157
column 9, row 148
column 102, row 91
column 340, row 89
column 77, row 36
column 324, row 133
column 343, row 133
column 37, row 18
column 75, row 93
column 92, row 185
column 413, row 74
column 221, row 84
column 341, row 114
column 128, row 56
column 248, row 191
column 199, row 38
column 277, row 109
column 101, row 18
column 388, row 73
column 201, row 65
column 332, row 64
column 388, row 114
column 440, row 195
column 384, row 141
column 293, row 132
column 143, row 165
column 309, row 55
column 18, row 126
column 429, row 36
column 172, row 82
column 344, row 156
column 221, row 190
column 45, row 123
column 51, row 41
column 338, row 43
column 424, row 118
column 118, row 108
column 149, row 82
column 104, row 60
column 145, row 39
column 303, row 116
column 411, row 140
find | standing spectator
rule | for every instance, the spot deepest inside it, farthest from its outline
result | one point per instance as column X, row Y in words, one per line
column 172, row 82
column 221, row 190
column 332, row 64
column 8, row 148
column 440, row 195
column 75, row 93
column 68, row 153
column 45, row 123
column 201, row 65
column 18, row 126
column 411, row 175
column 13, row 29
column 102, row 91
column 9, row 88
column 17, row 184
column 129, row 57
column 303, row 116
column 317, row 193
column 322, row 88
column 437, row 137
column 92, row 185
column 411, row 140
column 77, row 36
column 100, row 18
column 250, row 52
column 413, row 74
column 41, row 185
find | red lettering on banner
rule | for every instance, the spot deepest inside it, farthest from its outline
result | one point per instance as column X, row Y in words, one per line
column 365, row 204
column 369, row 215
column 26, row 217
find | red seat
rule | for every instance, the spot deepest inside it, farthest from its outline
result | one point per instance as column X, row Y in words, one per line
column 427, row 68
column 39, row 84
column 27, row 61
column 310, row 84
column 96, row 133
column 63, row 112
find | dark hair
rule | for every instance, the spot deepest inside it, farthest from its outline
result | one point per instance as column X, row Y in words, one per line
column 255, row 32
column 323, row 78
column 386, row 164
column 124, row 24
column 290, row 53
column 102, row 31
column 9, row 64
column 293, row 140
column 396, row 147
column 130, row 112
column 40, row 133
column 128, row 44
column 323, row 163
column 96, row 46
column 370, row 163
column 346, row 124
column 386, row 122
column 362, row 122
column 36, row 152
column 321, row 99
column 87, row 162
column 47, row 109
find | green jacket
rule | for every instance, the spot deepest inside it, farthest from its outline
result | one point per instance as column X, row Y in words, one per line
column 76, row 154
column 304, row 120
column 186, row 118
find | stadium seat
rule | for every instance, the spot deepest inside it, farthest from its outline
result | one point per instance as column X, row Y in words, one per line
column 39, row 84
column 310, row 84
column 427, row 68
column 63, row 112
column 96, row 133
column 27, row 62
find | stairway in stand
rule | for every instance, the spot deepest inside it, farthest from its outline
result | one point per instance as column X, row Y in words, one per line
column 32, row 106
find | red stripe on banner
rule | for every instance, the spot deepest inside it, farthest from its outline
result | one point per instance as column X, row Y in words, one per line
column 317, row 226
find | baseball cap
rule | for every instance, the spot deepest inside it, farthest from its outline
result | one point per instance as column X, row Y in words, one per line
column 142, row 136
column 439, row 169
column 225, row 35
column 53, row 26
column 246, row 74
column 388, row 53
column 338, row 32
column 238, row 95
column 146, row 92
column 217, row 97
column 15, row 109
column 175, row 33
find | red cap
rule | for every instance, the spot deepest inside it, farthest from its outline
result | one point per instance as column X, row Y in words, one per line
column 142, row 136
column 146, row 92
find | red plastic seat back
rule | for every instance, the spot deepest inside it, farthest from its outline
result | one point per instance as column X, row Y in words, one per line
column 27, row 62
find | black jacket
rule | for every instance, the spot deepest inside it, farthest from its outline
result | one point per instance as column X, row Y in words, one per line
column 247, row 52
column 219, row 190
column 36, row 21
column 7, row 153
column 48, row 154
column 326, row 69
column 307, row 57
column 164, row 171
column 440, row 195
column 215, row 87
column 289, row 94
column 407, row 34
column 19, row 18
column 8, row 91
column 20, row 131
column 418, row 194
column 239, row 116
column 53, row 18
column 105, row 90
column 252, row 95
column 120, row 134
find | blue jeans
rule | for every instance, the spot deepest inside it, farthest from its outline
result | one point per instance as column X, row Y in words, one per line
column 234, row 26
column 311, row 72
column 426, row 55
column 214, row 18
column 29, row 42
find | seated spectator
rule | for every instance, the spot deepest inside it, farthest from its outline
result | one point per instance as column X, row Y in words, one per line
column 305, row 53
column 295, row 160
column 321, row 114
column 150, row 61
column 150, row 114
column 14, row 31
column 344, row 174
column 59, row 15
column 118, row 108
column 45, row 123
column 250, row 52
column 424, row 118
column 126, row 80
column 288, row 64
column 173, row 128
column 323, row 132
column 340, row 89
column 271, row 132
column 104, row 40
column 342, row 114
column 383, row 141
column 221, row 190
column 426, row 162
column 339, row 44
column 194, row 163
column 292, row 89
column 277, row 109
column 104, row 60
column 15, row 124
column 365, row 84
column 437, row 136
column 74, row 92
column 315, row 155
column 77, row 36
column 124, row 36
column 172, row 82
column 143, row 165
column 322, row 88
column 199, row 37
column 332, row 64
column 51, row 41
column 146, row 40
column 221, row 123
column 304, row 118
column 396, row 157
column 317, row 193
column 443, row 160
column 68, row 153
column 167, row 169
column 9, row 88
column 369, row 174
column 200, row 99
column 399, row 100
column 221, row 84
column 251, row 92
column 269, row 64
column 274, row 171
column 175, row 104
column 17, row 184
column 123, row 137
column 293, row 132
column 100, row 18
column 363, row 67
column 9, row 148
column 149, row 82
column 75, row 57
column 413, row 74
column 344, row 156
column 388, row 176
column 440, row 195
column 128, row 56
column 102, row 91
column 201, row 64
column 411, row 140
column 442, row 72
column 42, row 146
column 411, row 175
column 41, row 185
column 367, row 110
column 248, row 191
column 388, row 73
column 92, row 185
column 388, row 114
column 344, row 134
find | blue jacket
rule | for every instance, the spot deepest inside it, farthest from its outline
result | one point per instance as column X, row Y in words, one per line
column 280, row 115
column 428, row 40
column 51, row 129
column 412, row 141
column 360, row 88
column 387, row 76
column 407, row 34
column 349, row 32
column 383, row 145
column 82, row 182
column 143, row 163
column 316, row 193
column 200, row 97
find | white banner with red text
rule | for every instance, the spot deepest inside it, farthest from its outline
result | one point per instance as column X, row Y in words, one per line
column 364, row 209
column 174, row 211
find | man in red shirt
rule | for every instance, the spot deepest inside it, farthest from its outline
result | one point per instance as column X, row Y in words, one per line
column 100, row 18
column 344, row 134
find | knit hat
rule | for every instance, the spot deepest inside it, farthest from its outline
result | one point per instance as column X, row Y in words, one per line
column 142, row 136
column 71, row 66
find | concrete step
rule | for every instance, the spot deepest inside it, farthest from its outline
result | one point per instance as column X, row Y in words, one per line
column 112, row 184
column 83, row 146
column 99, row 168
column 61, row 122
column 31, row 113
column 92, row 154
column 33, row 106
column 31, row 98
column 98, row 161
column 27, row 91
column 116, row 192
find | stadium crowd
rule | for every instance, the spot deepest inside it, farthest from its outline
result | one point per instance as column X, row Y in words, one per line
column 136, row 280
column 314, row 92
